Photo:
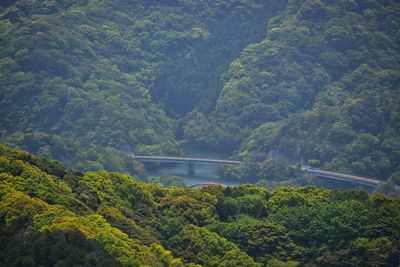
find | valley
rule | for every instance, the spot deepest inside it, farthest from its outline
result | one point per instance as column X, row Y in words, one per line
column 189, row 133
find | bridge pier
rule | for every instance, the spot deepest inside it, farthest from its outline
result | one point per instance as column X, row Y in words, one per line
column 190, row 168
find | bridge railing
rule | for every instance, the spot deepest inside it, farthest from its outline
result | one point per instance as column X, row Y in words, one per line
column 184, row 159
column 317, row 172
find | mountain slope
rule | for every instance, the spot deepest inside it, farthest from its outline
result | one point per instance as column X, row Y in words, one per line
column 323, row 85
column 82, row 79
column 51, row 216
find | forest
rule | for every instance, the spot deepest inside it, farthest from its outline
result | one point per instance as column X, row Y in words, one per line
column 83, row 81
column 54, row 216
column 274, row 84
column 86, row 81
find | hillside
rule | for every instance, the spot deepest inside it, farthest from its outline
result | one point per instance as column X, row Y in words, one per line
column 51, row 216
column 85, row 81
column 82, row 79
column 323, row 84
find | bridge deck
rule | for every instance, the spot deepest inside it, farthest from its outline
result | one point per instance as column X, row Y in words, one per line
column 343, row 176
column 316, row 172
column 184, row 159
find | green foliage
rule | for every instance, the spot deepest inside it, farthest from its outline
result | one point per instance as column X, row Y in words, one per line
column 81, row 81
column 52, row 217
column 261, row 240
column 171, row 180
column 313, row 163
column 274, row 171
column 207, row 248
column 195, row 207
column 322, row 85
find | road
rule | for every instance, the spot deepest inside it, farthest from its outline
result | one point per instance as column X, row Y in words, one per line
column 317, row 172
column 342, row 176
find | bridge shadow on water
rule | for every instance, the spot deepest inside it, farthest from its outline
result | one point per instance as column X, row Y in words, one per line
column 200, row 166
column 203, row 173
column 208, row 174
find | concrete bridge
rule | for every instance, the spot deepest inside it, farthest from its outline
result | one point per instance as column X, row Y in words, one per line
column 189, row 161
column 317, row 172
column 342, row 176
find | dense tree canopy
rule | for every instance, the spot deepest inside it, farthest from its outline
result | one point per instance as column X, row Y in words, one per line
column 275, row 83
column 80, row 80
column 318, row 80
column 322, row 85
column 52, row 216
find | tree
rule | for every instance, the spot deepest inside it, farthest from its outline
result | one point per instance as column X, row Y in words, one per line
column 199, row 245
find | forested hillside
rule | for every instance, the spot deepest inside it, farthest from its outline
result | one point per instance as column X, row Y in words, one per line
column 50, row 216
column 83, row 81
column 323, row 85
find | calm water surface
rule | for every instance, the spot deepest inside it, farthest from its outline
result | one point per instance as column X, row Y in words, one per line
column 204, row 173
column 208, row 173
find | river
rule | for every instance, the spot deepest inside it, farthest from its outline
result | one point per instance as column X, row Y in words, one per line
column 204, row 173
column 208, row 173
